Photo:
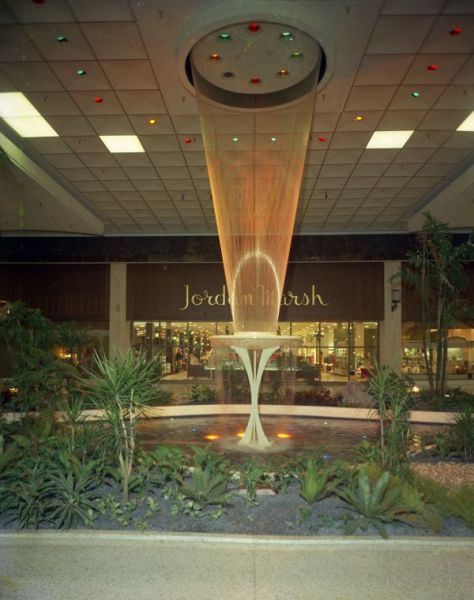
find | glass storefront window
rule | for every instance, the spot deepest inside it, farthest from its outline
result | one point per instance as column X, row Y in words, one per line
column 460, row 350
column 329, row 351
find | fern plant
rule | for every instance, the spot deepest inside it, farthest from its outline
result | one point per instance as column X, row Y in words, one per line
column 376, row 505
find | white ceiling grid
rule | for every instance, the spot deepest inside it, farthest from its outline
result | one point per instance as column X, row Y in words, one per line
column 166, row 189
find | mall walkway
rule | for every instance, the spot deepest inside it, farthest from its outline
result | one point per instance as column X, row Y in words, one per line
column 128, row 566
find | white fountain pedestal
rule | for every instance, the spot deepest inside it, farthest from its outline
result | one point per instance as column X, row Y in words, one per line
column 247, row 345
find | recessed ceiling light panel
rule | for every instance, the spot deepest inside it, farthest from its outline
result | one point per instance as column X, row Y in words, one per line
column 467, row 124
column 389, row 139
column 122, row 143
column 22, row 116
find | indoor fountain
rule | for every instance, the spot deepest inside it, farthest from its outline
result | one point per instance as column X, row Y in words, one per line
column 256, row 88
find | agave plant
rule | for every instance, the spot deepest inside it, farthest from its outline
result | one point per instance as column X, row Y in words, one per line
column 376, row 505
column 316, row 484
column 73, row 491
column 207, row 486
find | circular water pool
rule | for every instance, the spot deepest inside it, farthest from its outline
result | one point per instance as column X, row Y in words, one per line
column 290, row 435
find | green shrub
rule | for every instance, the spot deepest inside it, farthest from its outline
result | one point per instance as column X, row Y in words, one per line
column 207, row 486
column 202, row 393
column 316, row 483
column 462, row 504
column 463, row 431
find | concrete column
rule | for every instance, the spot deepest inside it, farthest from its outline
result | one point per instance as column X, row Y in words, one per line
column 119, row 327
column 390, row 333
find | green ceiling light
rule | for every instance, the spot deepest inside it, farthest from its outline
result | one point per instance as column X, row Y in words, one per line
column 61, row 39
column 286, row 36
column 225, row 37
column 415, row 94
column 81, row 72
column 296, row 55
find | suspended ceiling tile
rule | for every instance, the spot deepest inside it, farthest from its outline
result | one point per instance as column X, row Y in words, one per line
column 49, row 145
column 383, row 155
column 408, row 7
column 53, row 103
column 427, row 139
column 336, row 157
column 399, row 34
column 392, row 182
column 447, row 120
column 119, row 186
column 201, row 172
column 45, row 36
column 64, row 160
column 456, row 97
column 440, row 41
column 140, row 172
column 433, row 168
column 412, row 193
column 394, row 120
column 465, row 75
column 79, row 174
column 460, row 139
column 111, row 125
column 109, row 173
column 343, row 140
column 172, row 159
column 328, row 194
column 454, row 7
column 130, row 74
column 403, row 100
column 88, row 105
column 148, row 184
column 27, row 11
column 309, row 170
column 133, row 159
column 180, row 184
column 383, row 193
column 32, row 76
column 15, row 45
column 70, row 126
column 451, row 155
column 423, row 182
column 142, row 126
column 449, row 65
column 190, row 124
column 67, row 72
column 336, row 170
column 5, row 84
column 347, row 122
column 365, row 170
column 104, row 159
column 85, row 144
column 142, row 102
column 160, row 143
column 383, row 69
column 103, row 10
column 187, row 198
column 326, row 121
column 403, row 169
column 330, row 183
column 91, row 186
column 370, row 97
column 361, row 182
column 356, row 193
column 115, row 40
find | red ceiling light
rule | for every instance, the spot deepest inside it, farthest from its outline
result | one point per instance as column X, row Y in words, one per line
column 432, row 67
column 321, row 138
column 255, row 81
column 455, row 31
column 188, row 140
column 98, row 100
column 254, row 27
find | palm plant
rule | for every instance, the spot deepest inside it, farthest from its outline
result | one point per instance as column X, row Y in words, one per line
column 393, row 401
column 122, row 385
column 463, row 430
column 376, row 505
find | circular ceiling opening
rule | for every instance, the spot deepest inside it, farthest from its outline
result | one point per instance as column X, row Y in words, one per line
column 256, row 65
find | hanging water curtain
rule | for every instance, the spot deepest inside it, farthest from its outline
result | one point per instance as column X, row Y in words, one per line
column 256, row 87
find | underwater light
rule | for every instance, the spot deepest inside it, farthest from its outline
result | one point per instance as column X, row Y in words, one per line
column 240, row 434
column 254, row 27
column 211, row 437
column 283, row 436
